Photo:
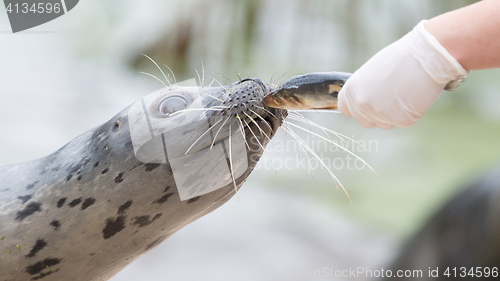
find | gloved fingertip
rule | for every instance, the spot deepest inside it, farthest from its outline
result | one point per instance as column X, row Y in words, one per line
column 363, row 120
column 342, row 106
column 365, row 123
column 406, row 123
column 386, row 126
column 368, row 125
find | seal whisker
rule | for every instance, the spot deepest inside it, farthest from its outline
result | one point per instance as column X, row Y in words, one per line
column 320, row 161
column 213, row 80
column 195, row 109
column 231, row 163
column 333, row 132
column 270, row 113
column 203, row 74
column 255, row 101
column 208, row 130
column 271, row 79
column 215, row 137
column 307, row 148
column 336, row 144
column 225, row 77
column 278, row 80
column 242, row 130
column 173, row 75
column 294, row 135
column 218, row 82
column 197, row 73
column 217, row 99
column 315, row 110
column 300, row 118
column 257, row 125
column 285, row 123
column 258, row 115
column 225, row 90
column 220, row 106
column 151, row 75
column 251, row 131
column 216, row 108
column 158, row 68
column 269, row 126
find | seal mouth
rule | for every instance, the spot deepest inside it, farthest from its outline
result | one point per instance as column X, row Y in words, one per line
column 274, row 123
column 271, row 116
column 245, row 101
column 240, row 107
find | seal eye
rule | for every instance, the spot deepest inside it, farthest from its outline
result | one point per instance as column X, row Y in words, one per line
column 173, row 104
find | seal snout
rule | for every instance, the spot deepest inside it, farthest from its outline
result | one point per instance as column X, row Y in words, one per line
column 244, row 101
column 244, row 97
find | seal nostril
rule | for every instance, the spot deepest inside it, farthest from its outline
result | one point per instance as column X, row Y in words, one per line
column 116, row 127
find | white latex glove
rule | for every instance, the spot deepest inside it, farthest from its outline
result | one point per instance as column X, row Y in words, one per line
column 401, row 82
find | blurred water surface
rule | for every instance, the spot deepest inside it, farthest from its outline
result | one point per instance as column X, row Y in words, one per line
column 74, row 73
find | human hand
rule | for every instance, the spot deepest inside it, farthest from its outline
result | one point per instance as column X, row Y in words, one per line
column 401, row 82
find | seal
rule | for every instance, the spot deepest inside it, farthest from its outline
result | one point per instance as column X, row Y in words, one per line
column 118, row 190
column 91, row 208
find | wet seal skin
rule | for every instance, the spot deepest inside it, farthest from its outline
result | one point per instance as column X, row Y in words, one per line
column 91, row 208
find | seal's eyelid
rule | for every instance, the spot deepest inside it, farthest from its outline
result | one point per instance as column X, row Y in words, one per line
column 173, row 104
